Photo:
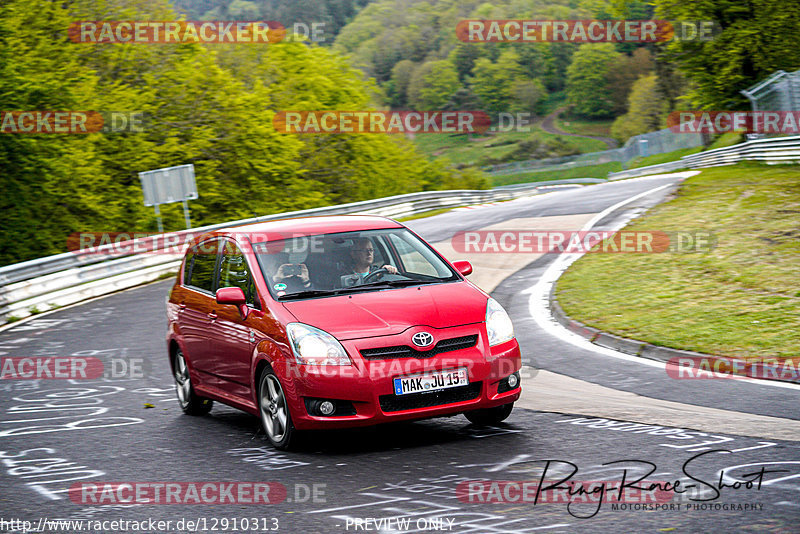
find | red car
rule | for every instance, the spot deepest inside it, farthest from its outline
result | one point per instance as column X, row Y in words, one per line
column 331, row 322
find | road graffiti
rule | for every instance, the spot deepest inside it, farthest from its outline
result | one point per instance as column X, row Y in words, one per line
column 47, row 475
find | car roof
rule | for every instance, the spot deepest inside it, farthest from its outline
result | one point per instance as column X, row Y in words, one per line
column 281, row 229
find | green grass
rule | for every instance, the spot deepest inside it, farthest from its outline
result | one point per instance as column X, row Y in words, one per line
column 741, row 299
column 424, row 214
column 431, row 213
column 723, row 140
column 590, row 171
column 584, row 126
column 460, row 149
column 553, row 102
column 727, row 139
column 665, row 157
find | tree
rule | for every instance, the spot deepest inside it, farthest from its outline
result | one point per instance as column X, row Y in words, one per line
column 208, row 105
column 401, row 78
column 647, row 107
column 463, row 57
column 432, row 84
column 463, row 100
column 623, row 73
column 51, row 183
column 587, row 90
column 527, row 96
column 754, row 39
column 494, row 82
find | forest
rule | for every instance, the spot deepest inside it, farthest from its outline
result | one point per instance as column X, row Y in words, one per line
column 212, row 105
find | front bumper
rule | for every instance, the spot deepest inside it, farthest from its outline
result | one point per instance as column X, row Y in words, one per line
column 364, row 391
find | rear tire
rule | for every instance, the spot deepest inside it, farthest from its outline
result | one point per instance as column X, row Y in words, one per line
column 275, row 416
column 490, row 416
column 190, row 402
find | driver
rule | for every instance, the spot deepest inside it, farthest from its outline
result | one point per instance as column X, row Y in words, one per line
column 361, row 257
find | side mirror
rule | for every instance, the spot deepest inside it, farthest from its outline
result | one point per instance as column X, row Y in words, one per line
column 231, row 295
column 463, row 266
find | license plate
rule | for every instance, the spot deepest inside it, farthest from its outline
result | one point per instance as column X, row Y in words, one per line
column 431, row 381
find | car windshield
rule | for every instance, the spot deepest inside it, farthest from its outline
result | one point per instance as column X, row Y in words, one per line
column 332, row 264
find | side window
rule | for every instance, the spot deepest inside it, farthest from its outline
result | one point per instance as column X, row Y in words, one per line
column 380, row 257
column 204, row 261
column 187, row 267
column 234, row 272
column 413, row 260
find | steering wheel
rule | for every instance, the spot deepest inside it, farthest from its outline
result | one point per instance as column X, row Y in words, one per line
column 374, row 274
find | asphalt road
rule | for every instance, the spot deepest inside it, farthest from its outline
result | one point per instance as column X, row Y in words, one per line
column 54, row 434
column 549, row 126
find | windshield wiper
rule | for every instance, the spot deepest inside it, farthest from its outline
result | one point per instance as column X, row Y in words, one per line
column 310, row 293
column 398, row 283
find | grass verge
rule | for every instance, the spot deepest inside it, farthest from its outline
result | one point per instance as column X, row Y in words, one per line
column 589, row 171
column 741, row 299
column 470, row 150
column 723, row 140
column 584, row 126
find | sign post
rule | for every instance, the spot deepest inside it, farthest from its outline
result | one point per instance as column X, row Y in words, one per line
column 168, row 185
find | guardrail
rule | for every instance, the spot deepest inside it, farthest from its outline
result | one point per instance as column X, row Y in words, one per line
column 658, row 142
column 771, row 151
column 46, row 283
column 650, row 169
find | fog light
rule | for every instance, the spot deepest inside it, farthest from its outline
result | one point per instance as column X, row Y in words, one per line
column 513, row 380
column 326, row 407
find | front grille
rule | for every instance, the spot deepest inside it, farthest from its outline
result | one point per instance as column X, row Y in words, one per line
column 412, row 401
column 404, row 351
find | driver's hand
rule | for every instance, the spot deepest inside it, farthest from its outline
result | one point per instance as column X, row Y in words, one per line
column 391, row 269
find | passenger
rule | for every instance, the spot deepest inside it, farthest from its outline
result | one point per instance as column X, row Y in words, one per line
column 292, row 275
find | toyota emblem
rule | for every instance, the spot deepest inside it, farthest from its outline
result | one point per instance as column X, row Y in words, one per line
column 422, row 339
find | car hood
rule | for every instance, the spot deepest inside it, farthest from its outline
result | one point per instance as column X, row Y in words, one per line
column 392, row 311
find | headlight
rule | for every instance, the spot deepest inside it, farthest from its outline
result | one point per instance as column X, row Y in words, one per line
column 498, row 323
column 312, row 346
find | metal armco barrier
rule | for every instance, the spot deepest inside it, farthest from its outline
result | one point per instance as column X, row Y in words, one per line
column 770, row 151
column 54, row 281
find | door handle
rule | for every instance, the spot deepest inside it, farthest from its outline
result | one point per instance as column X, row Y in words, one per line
column 212, row 315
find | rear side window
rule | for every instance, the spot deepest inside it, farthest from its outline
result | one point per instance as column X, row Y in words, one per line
column 234, row 272
column 202, row 271
column 187, row 267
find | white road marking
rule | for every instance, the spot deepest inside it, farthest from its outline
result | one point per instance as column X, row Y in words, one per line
column 539, row 308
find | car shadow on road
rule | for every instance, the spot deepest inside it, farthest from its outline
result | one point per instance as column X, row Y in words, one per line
column 379, row 438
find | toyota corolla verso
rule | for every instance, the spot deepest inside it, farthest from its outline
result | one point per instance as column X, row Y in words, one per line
column 331, row 322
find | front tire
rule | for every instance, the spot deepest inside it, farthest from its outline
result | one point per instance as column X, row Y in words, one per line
column 190, row 402
column 490, row 416
column 275, row 416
